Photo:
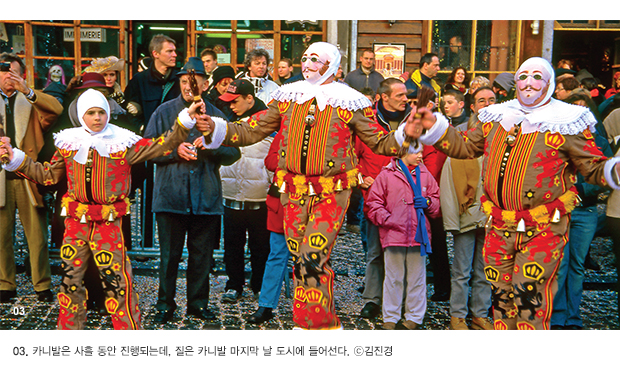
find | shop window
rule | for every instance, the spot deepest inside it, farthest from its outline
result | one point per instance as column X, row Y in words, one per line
column 103, row 43
column 302, row 25
column 496, row 45
column 101, row 22
column 479, row 46
column 451, row 42
column 255, row 25
column 42, row 68
column 218, row 43
column 53, row 40
column 293, row 46
column 249, row 41
column 12, row 38
column 214, row 25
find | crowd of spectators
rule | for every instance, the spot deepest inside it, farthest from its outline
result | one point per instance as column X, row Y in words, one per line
column 194, row 189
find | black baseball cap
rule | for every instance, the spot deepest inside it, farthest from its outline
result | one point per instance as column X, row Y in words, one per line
column 237, row 88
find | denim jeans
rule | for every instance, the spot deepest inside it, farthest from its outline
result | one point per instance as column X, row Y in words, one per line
column 468, row 265
column 275, row 270
column 571, row 273
column 375, row 271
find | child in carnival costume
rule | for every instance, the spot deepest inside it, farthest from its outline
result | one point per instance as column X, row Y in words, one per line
column 96, row 159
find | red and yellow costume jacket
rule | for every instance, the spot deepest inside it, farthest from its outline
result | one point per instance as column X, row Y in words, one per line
column 535, row 175
column 322, row 152
column 98, row 190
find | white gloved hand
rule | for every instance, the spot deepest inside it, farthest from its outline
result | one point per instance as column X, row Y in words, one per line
column 132, row 109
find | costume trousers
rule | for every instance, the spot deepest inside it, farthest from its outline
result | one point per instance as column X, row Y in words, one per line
column 103, row 241
column 572, row 270
column 405, row 281
column 236, row 223
column 439, row 258
column 172, row 229
column 311, row 225
column 275, row 271
column 375, row 271
column 522, row 268
column 34, row 222
column 468, row 266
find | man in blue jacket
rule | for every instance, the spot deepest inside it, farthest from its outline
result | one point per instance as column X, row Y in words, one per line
column 187, row 200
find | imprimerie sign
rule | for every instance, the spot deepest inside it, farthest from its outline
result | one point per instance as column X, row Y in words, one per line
column 87, row 34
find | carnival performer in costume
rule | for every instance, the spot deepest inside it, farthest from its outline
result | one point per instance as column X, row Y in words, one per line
column 532, row 146
column 96, row 159
column 318, row 119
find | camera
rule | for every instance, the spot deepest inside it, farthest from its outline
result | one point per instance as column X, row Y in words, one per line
column 4, row 66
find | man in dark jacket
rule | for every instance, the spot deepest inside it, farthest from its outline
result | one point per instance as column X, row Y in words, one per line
column 144, row 93
column 187, row 200
column 150, row 88
column 365, row 75
column 391, row 110
column 425, row 75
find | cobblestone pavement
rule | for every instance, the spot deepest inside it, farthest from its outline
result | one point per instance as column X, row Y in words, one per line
column 599, row 308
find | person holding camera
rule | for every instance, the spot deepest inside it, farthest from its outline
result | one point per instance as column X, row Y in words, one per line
column 24, row 117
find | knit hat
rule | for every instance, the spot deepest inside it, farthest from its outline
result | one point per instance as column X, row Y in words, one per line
column 505, row 81
column 223, row 72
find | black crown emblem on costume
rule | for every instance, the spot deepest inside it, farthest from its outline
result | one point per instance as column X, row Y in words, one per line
column 491, row 274
column 317, row 241
column 103, row 258
column 67, row 252
column 532, row 270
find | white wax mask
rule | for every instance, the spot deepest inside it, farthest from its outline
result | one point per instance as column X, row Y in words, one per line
column 534, row 82
column 320, row 61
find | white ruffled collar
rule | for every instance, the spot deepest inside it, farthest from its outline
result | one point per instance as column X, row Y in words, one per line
column 335, row 94
column 555, row 116
column 113, row 140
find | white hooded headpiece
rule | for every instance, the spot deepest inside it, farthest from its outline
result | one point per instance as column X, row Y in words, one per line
column 110, row 139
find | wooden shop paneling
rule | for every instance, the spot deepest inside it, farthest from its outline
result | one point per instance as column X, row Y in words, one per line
column 383, row 27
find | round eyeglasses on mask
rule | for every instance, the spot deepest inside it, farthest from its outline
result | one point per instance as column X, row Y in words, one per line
column 536, row 76
column 313, row 59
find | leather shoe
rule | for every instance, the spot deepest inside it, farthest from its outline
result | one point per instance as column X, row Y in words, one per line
column 201, row 313
column 45, row 296
column 7, row 295
column 370, row 310
column 389, row 326
column 261, row 315
column 163, row 316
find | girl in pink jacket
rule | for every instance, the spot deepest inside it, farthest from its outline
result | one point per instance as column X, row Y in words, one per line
column 399, row 201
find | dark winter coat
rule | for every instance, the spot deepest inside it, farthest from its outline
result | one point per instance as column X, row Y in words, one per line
column 188, row 187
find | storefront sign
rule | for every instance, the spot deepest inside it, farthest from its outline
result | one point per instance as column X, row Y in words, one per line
column 87, row 34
